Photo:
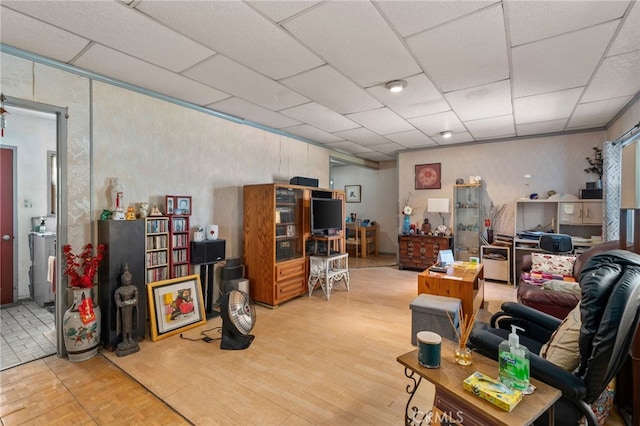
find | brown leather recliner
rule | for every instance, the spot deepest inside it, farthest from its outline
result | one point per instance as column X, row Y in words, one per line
column 556, row 303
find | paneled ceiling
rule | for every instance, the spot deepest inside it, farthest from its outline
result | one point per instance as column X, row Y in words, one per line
column 484, row 70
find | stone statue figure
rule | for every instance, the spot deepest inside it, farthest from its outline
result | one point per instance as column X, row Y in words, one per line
column 126, row 298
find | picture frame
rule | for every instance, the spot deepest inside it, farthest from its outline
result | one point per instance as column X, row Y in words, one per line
column 183, row 205
column 169, row 203
column 353, row 193
column 428, row 176
column 167, row 315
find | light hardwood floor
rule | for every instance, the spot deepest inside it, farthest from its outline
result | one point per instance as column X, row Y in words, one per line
column 313, row 362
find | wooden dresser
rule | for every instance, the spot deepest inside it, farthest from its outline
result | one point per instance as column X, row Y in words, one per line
column 420, row 251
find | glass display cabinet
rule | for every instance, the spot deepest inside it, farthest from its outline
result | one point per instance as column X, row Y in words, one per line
column 468, row 222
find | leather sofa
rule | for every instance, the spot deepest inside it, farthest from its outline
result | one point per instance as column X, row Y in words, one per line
column 556, row 303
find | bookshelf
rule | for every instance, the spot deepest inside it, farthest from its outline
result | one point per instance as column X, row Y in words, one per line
column 179, row 246
column 156, row 248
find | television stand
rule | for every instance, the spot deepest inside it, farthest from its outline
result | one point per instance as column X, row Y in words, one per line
column 333, row 243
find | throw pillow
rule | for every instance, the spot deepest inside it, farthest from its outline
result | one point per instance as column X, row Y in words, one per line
column 562, row 349
column 552, row 264
column 562, row 286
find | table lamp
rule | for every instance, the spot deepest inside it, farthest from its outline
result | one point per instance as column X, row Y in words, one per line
column 438, row 205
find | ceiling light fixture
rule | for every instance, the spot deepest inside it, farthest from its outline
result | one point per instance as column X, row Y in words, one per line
column 396, row 86
column 446, row 134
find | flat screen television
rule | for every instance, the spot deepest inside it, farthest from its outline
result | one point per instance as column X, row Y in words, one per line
column 326, row 216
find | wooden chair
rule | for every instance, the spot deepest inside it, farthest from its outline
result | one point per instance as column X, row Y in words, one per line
column 353, row 239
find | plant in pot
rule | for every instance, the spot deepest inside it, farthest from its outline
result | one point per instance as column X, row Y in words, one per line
column 81, row 322
column 595, row 166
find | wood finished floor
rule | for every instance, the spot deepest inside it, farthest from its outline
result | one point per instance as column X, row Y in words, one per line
column 313, row 362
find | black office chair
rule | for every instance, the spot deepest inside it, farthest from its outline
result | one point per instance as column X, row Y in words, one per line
column 610, row 312
column 556, row 243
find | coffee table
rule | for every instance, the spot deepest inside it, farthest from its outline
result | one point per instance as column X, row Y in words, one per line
column 464, row 283
column 459, row 404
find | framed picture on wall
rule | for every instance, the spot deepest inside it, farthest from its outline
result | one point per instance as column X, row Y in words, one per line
column 352, row 193
column 175, row 305
column 428, row 176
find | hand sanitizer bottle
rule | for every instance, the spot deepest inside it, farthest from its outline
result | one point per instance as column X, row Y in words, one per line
column 43, row 226
column 513, row 361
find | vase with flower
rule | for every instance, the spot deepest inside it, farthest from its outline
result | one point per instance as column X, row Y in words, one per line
column 407, row 211
column 81, row 322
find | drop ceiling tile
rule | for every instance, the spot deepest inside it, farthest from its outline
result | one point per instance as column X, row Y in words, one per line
column 362, row 136
column 489, row 100
column 382, row 121
column 321, row 117
column 388, row 148
column 248, row 111
column 312, row 134
column 535, row 20
column 596, row 114
column 355, row 39
column 281, row 10
column 327, row 87
column 119, row 66
column 455, row 57
column 418, row 89
column 628, row 39
column 114, row 25
column 411, row 139
column 434, row 124
column 560, row 62
column 541, row 127
column 456, row 138
column 421, row 108
column 410, row 17
column 349, row 147
column 617, row 76
column 494, row 127
column 23, row 32
column 547, row 107
column 225, row 74
column 237, row 31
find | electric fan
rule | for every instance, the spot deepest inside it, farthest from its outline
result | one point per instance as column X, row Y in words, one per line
column 238, row 318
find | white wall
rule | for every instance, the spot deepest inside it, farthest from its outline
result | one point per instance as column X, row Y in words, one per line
column 554, row 162
column 379, row 190
column 32, row 135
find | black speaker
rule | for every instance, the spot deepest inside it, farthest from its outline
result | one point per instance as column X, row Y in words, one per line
column 207, row 251
column 304, row 181
column 231, row 271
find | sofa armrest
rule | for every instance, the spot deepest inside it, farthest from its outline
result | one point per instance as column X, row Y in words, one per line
column 525, row 264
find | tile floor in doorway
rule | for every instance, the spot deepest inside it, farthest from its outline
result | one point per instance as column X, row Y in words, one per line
column 27, row 333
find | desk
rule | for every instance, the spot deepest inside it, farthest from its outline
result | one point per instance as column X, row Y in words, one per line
column 327, row 270
column 363, row 238
column 466, row 284
column 460, row 404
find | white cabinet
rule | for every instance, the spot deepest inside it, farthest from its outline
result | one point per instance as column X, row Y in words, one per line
column 580, row 213
column 496, row 261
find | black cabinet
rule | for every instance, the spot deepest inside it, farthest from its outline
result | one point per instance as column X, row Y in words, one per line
column 124, row 242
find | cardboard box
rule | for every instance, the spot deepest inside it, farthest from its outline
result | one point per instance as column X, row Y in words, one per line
column 492, row 390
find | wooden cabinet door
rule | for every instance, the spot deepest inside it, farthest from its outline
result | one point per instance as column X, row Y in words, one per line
column 570, row 213
column 591, row 213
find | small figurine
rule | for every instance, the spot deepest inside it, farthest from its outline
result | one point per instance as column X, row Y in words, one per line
column 426, row 226
column 155, row 211
column 106, row 214
column 131, row 214
column 117, row 193
column 144, row 209
column 126, row 298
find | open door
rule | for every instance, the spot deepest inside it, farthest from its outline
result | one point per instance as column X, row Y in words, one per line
column 7, row 238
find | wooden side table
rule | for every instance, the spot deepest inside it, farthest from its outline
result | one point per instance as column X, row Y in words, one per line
column 462, row 283
column 461, row 405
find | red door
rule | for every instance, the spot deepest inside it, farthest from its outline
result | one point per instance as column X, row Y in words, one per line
column 6, row 226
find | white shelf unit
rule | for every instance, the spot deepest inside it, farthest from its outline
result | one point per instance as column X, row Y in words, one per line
column 578, row 218
column 328, row 270
column 497, row 263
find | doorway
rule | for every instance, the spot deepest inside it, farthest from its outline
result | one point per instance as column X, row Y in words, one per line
column 35, row 133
